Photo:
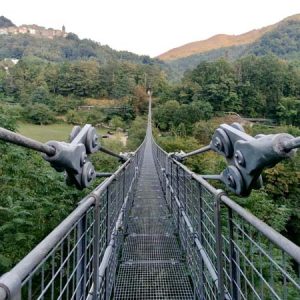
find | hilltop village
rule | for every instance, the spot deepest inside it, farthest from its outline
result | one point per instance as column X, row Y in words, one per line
column 7, row 27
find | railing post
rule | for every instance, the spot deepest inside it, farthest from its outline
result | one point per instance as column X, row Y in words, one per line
column 167, row 179
column 124, row 190
column 176, row 194
column 233, row 259
column 184, row 191
column 107, row 294
column 81, row 256
column 218, row 237
column 171, row 195
column 96, row 248
column 200, row 230
column 107, row 233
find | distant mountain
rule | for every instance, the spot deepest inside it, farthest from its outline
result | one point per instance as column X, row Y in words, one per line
column 213, row 43
column 221, row 41
column 57, row 45
column 283, row 40
column 4, row 22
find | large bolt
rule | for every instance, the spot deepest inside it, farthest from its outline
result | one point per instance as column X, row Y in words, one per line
column 83, row 159
column 218, row 143
column 231, row 181
column 239, row 158
column 91, row 174
column 95, row 140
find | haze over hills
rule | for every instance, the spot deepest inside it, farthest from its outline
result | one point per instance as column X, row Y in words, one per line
column 221, row 41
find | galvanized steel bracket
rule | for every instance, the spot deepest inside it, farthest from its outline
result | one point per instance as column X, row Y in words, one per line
column 72, row 158
column 247, row 156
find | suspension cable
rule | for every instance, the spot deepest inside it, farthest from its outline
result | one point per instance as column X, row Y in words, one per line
column 198, row 151
column 18, row 139
column 104, row 150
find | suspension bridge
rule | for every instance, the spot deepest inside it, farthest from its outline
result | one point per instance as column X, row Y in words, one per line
column 156, row 230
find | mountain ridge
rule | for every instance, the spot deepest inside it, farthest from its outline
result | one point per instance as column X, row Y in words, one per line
column 221, row 41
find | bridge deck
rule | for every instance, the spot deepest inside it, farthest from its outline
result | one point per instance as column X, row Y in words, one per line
column 152, row 264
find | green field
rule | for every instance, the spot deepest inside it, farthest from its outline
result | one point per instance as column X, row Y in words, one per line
column 44, row 133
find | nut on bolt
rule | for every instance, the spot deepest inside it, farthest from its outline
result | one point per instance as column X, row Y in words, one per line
column 91, row 174
column 218, row 143
column 239, row 158
column 231, row 181
column 83, row 159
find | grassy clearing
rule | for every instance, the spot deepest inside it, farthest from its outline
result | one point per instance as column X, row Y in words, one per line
column 58, row 132
column 44, row 133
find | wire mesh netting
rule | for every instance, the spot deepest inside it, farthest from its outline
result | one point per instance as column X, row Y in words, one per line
column 153, row 281
column 151, row 247
column 163, row 225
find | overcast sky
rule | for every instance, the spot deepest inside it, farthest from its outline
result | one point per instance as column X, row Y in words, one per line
column 149, row 27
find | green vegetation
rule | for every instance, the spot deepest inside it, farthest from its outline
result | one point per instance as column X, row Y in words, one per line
column 46, row 91
column 34, row 199
column 283, row 42
column 264, row 87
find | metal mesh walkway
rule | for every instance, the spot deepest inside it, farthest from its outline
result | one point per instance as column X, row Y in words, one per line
column 152, row 263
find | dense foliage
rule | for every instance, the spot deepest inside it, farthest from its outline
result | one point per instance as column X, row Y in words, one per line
column 4, row 22
column 33, row 199
column 264, row 87
column 44, row 91
column 283, row 42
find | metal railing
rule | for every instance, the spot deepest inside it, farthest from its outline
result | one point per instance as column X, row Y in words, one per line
column 230, row 253
column 78, row 259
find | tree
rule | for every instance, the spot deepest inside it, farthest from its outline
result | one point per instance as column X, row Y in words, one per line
column 40, row 95
column 117, row 122
column 39, row 114
column 4, row 22
column 288, row 111
column 163, row 115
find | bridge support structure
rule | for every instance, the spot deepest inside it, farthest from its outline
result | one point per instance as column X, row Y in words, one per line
column 218, row 250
